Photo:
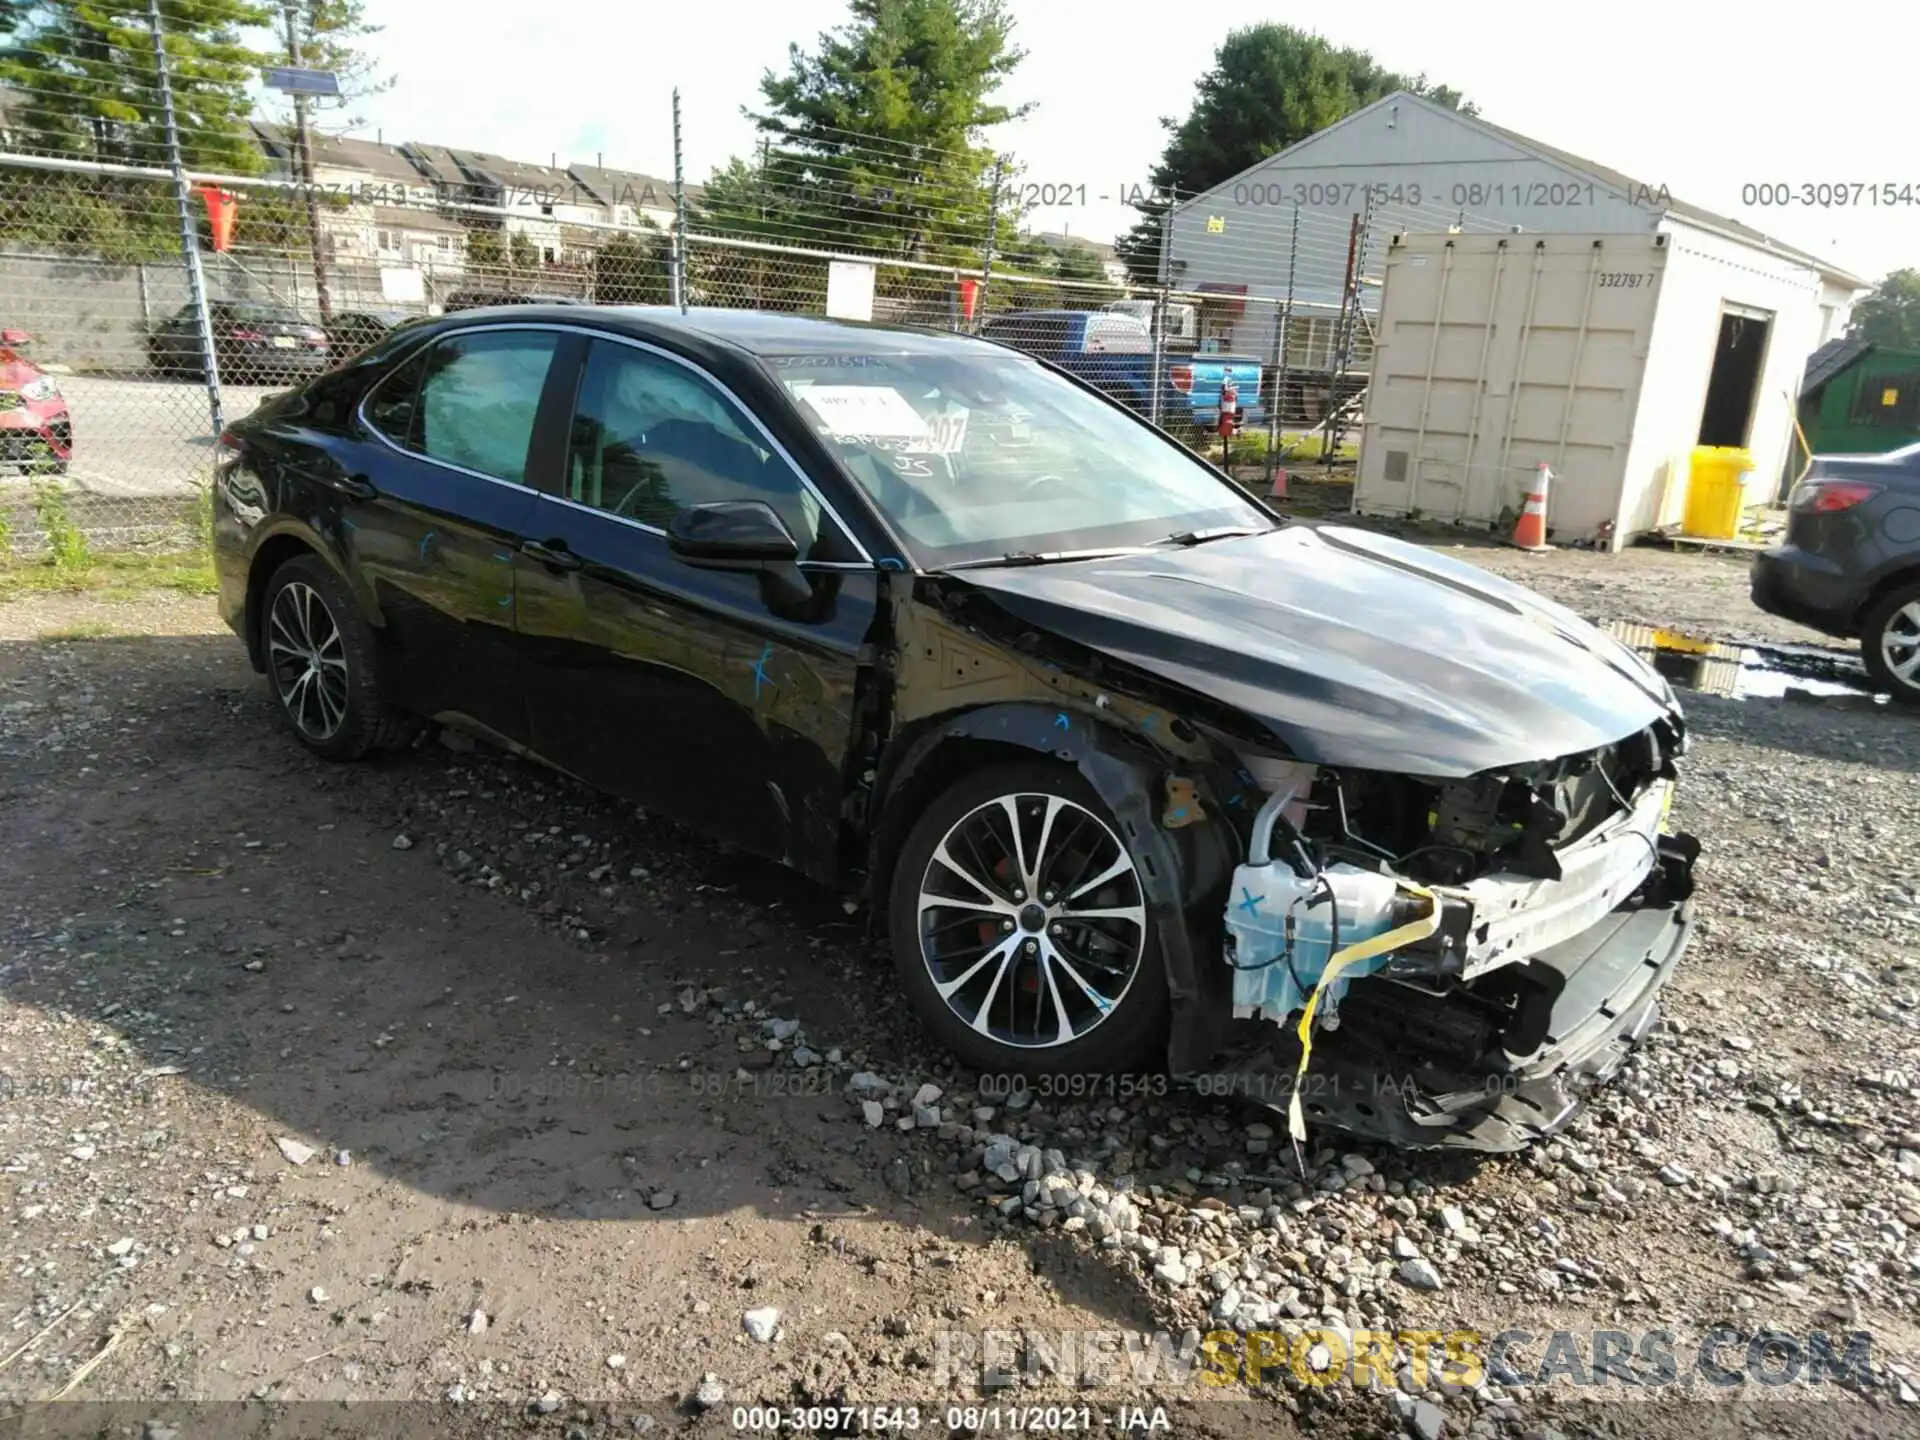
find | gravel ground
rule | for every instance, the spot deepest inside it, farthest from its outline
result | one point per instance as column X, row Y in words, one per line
column 1698, row 592
column 442, row 1080
column 78, row 615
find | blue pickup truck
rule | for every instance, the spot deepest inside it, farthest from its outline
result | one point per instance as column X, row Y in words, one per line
column 1114, row 353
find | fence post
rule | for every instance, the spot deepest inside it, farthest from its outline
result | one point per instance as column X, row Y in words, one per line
column 189, row 234
column 679, row 252
column 1157, row 374
column 1281, row 341
column 986, row 258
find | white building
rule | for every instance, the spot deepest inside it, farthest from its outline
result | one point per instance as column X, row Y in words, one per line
column 1738, row 312
column 629, row 199
column 375, row 205
column 1406, row 164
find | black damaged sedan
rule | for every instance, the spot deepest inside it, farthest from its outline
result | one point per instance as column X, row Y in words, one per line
column 1129, row 772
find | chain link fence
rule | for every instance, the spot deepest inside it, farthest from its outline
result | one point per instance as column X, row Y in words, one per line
column 108, row 412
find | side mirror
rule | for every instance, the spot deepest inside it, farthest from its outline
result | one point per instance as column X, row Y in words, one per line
column 744, row 535
column 15, row 339
column 732, row 535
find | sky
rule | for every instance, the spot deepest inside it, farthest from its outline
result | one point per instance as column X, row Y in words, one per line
column 1693, row 95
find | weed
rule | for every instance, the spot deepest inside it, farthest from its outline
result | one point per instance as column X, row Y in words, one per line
column 66, row 540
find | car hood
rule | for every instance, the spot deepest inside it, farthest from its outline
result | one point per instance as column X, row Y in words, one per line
column 1352, row 648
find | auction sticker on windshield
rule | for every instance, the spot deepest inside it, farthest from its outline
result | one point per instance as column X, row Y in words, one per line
column 863, row 410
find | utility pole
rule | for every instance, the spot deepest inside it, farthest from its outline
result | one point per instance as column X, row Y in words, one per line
column 189, row 235
column 303, row 160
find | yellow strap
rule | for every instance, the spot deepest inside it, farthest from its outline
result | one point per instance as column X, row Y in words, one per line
column 1412, row 931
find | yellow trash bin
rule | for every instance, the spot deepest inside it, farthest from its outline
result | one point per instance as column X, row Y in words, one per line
column 1717, row 480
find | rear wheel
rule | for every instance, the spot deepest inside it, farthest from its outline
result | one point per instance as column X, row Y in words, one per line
column 1890, row 643
column 1019, row 928
column 325, row 665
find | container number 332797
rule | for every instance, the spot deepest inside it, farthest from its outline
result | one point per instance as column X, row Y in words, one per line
column 1628, row 279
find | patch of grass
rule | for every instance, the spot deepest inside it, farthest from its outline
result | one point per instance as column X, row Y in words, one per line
column 1312, row 446
column 89, row 630
column 112, row 576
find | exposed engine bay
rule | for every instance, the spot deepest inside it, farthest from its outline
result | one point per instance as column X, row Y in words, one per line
column 1436, row 928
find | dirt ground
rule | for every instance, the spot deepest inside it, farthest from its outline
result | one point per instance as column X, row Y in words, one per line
column 442, row 1081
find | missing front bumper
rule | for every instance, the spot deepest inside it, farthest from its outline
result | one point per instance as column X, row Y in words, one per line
column 1404, row 1067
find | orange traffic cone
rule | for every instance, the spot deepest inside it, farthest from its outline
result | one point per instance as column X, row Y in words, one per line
column 1279, row 490
column 1530, row 532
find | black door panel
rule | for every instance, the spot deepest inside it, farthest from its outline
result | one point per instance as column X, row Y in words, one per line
column 436, row 549
column 678, row 687
column 450, row 474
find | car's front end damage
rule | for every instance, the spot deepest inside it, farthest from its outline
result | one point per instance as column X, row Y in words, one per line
column 1442, row 801
column 1547, row 905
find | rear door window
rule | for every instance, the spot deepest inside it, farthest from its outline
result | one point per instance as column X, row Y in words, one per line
column 469, row 400
column 478, row 398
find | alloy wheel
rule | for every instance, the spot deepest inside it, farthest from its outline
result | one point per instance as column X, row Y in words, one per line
column 1032, row 922
column 1900, row 643
column 308, row 659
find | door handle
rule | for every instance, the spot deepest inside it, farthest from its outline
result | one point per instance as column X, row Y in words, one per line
column 358, row 486
column 553, row 553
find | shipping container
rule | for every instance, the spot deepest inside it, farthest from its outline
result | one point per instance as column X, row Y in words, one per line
column 1498, row 353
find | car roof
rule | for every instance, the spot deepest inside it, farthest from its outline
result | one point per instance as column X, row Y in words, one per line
column 767, row 332
column 740, row 335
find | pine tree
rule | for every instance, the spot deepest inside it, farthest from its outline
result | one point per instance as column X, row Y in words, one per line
column 874, row 141
column 89, row 81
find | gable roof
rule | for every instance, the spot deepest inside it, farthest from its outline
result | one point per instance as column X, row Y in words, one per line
column 1679, row 209
column 1056, row 240
column 628, row 187
column 438, row 163
column 341, row 152
column 1566, row 160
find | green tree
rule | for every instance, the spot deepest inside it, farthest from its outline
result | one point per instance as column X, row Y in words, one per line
column 89, row 80
column 1270, row 87
column 1082, row 263
column 632, row 270
column 872, row 141
column 486, row 250
column 1890, row 316
column 520, row 252
column 121, row 221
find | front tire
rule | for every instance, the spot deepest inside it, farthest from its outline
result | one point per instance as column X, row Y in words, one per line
column 324, row 665
column 1020, row 931
column 1890, row 643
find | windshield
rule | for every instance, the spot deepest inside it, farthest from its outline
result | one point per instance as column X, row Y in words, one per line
column 976, row 456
